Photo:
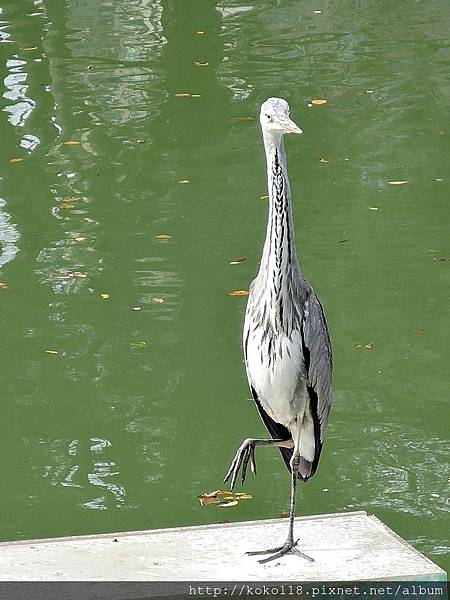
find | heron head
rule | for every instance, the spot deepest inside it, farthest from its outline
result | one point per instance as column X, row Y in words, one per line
column 275, row 118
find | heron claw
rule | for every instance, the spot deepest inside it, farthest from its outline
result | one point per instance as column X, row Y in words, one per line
column 244, row 454
column 289, row 547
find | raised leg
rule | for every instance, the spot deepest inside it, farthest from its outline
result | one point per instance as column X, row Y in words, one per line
column 289, row 546
column 246, row 453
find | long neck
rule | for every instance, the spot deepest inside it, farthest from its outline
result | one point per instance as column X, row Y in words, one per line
column 279, row 258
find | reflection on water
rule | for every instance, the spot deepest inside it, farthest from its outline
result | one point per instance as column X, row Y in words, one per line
column 121, row 358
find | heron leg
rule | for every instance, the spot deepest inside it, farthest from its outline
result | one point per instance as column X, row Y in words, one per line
column 289, row 546
column 246, row 453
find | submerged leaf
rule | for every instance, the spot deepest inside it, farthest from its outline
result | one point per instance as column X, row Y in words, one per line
column 139, row 344
column 239, row 260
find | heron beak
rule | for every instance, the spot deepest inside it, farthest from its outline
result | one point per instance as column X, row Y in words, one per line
column 291, row 127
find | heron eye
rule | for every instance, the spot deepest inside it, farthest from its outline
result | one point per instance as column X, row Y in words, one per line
column 269, row 117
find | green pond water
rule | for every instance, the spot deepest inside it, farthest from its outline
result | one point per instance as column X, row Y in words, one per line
column 124, row 395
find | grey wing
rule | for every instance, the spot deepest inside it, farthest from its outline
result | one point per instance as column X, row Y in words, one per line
column 318, row 361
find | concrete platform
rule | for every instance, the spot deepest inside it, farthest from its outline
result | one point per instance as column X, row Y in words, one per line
column 345, row 547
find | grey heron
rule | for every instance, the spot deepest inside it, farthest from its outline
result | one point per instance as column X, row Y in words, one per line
column 286, row 343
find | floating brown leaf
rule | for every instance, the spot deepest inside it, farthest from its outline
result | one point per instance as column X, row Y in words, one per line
column 239, row 293
column 245, row 118
column 16, row 160
column 3, row 286
column 71, row 143
column 319, row 101
column 67, row 206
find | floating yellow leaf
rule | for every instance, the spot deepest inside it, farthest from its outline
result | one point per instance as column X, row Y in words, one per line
column 163, row 236
column 136, row 308
column 245, row 119
column 401, row 182
column 80, row 238
column 104, row 296
column 324, row 160
column 264, row 197
column 183, row 95
column 373, row 207
column 3, row 286
column 16, row 160
column 77, row 274
column 200, row 32
column 71, row 143
column 227, row 504
column 53, row 352
column 157, row 300
column 222, row 498
column 200, row 64
column 28, row 49
column 368, row 346
column 184, row 181
column 319, row 101
column 72, row 199
column 67, row 206
column 239, row 293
